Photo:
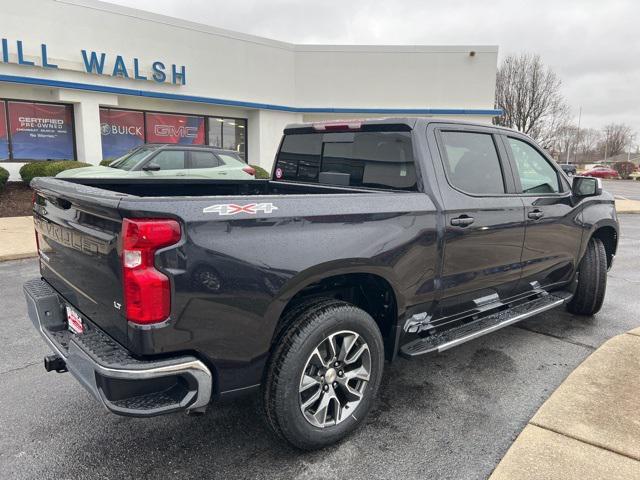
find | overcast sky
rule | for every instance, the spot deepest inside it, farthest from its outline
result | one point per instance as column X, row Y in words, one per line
column 594, row 45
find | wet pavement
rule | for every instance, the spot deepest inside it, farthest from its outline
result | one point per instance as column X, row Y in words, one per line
column 451, row 416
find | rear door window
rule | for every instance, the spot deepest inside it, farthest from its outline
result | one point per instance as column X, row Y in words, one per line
column 472, row 163
column 360, row 159
column 204, row 160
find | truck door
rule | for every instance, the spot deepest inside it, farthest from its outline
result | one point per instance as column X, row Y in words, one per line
column 553, row 231
column 484, row 219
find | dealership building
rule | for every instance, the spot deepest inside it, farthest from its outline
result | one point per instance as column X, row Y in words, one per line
column 85, row 80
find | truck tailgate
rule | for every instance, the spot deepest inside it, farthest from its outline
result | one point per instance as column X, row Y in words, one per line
column 78, row 229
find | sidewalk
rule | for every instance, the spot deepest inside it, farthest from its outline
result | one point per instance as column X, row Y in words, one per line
column 590, row 427
column 17, row 238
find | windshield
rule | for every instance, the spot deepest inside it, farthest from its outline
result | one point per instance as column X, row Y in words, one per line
column 130, row 160
column 113, row 163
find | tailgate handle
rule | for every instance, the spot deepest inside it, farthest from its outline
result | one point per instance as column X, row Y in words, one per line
column 61, row 203
column 462, row 221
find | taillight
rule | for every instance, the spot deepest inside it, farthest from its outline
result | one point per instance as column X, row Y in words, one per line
column 147, row 291
column 250, row 170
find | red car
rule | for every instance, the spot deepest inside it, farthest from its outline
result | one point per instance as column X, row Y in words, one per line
column 601, row 172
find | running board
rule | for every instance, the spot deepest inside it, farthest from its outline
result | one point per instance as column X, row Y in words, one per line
column 456, row 336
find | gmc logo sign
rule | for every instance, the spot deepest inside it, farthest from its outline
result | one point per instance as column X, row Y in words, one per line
column 172, row 131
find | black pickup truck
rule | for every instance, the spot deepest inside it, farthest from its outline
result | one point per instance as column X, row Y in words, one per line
column 372, row 239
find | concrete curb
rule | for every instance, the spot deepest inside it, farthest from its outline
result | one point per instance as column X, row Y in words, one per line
column 627, row 206
column 589, row 428
column 17, row 256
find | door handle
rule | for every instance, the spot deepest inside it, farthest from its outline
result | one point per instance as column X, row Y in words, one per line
column 462, row 221
column 536, row 214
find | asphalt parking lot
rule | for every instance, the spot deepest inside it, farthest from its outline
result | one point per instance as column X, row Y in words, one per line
column 451, row 416
column 623, row 189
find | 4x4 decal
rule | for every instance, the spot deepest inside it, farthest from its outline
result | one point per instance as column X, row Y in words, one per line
column 232, row 208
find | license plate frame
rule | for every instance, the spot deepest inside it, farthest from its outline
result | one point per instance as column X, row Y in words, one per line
column 74, row 321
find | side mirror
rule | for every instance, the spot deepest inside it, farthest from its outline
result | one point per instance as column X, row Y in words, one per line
column 151, row 167
column 586, row 186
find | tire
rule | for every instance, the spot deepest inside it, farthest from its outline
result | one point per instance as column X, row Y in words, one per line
column 314, row 328
column 592, row 280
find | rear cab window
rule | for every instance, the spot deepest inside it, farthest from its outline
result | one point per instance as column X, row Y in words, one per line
column 368, row 159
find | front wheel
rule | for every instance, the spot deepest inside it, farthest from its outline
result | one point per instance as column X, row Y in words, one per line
column 324, row 374
column 592, row 280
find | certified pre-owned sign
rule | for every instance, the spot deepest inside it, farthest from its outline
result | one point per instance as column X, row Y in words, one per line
column 232, row 208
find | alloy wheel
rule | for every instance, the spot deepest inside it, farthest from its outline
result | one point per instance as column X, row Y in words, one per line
column 334, row 379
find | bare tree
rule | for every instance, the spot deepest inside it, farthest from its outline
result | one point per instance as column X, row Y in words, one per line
column 587, row 145
column 589, row 139
column 615, row 138
column 565, row 141
column 529, row 95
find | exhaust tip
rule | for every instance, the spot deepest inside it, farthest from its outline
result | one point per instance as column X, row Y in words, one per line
column 54, row 362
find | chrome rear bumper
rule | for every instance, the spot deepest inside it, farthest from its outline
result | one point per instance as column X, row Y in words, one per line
column 123, row 384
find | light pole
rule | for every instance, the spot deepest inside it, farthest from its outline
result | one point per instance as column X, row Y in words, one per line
column 575, row 152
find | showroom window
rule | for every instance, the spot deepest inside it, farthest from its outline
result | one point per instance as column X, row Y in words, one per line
column 4, row 133
column 171, row 128
column 229, row 133
column 121, row 130
column 36, row 131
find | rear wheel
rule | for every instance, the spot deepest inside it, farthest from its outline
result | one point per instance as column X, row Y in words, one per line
column 592, row 280
column 324, row 374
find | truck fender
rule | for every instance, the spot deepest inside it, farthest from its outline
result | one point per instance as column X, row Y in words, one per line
column 324, row 271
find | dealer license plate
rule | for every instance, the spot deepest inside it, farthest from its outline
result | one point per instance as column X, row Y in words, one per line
column 74, row 322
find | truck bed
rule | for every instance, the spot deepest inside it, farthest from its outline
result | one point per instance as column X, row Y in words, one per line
column 158, row 187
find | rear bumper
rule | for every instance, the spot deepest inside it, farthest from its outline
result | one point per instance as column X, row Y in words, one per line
column 122, row 383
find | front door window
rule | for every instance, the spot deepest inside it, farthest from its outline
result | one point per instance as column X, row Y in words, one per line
column 536, row 175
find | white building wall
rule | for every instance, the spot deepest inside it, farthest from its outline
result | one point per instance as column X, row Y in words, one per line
column 396, row 77
column 268, row 82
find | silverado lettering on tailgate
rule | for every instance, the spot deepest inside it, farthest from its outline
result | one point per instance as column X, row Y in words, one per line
column 70, row 238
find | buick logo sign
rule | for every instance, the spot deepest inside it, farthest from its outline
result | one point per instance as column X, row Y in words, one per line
column 108, row 129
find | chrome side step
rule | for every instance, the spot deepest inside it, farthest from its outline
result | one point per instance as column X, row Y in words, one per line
column 456, row 336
